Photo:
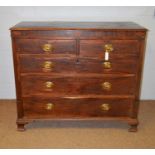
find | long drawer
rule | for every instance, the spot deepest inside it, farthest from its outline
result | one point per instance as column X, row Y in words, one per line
column 72, row 108
column 35, row 64
column 102, row 84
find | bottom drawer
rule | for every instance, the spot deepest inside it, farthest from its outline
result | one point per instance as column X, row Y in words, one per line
column 76, row 108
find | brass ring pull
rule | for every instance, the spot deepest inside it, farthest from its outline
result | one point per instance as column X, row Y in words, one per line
column 48, row 65
column 105, row 107
column 49, row 106
column 107, row 65
column 106, row 86
column 108, row 47
column 49, row 84
column 47, row 48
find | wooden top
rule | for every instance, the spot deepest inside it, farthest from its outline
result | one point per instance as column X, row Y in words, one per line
column 77, row 26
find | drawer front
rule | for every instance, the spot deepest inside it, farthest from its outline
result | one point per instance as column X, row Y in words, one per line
column 36, row 64
column 66, row 108
column 87, row 65
column 38, row 46
column 120, row 48
column 105, row 85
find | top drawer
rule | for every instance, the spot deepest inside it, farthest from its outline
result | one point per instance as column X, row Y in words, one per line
column 96, row 48
column 39, row 46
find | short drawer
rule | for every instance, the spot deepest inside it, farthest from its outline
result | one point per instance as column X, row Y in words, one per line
column 120, row 48
column 76, row 108
column 100, row 85
column 39, row 64
column 39, row 46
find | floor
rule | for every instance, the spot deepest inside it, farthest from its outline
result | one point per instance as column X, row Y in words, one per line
column 77, row 134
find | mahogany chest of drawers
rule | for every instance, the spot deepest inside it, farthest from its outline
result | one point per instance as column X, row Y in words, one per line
column 78, row 71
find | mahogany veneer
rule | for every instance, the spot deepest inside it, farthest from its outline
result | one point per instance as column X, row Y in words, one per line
column 78, row 70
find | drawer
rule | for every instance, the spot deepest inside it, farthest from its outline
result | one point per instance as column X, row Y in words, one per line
column 120, row 48
column 39, row 46
column 32, row 64
column 82, row 85
column 73, row 108
column 88, row 65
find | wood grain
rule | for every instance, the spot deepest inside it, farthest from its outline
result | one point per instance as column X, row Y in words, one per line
column 35, row 64
column 35, row 46
column 95, row 48
column 72, row 108
column 76, row 86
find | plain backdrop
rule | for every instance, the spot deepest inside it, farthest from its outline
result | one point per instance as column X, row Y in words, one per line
column 10, row 16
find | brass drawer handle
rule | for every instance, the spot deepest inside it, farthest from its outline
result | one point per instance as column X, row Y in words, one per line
column 49, row 106
column 48, row 65
column 107, row 65
column 47, row 48
column 108, row 47
column 105, row 107
column 49, row 84
column 106, row 86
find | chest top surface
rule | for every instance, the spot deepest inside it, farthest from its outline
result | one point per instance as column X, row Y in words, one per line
column 40, row 25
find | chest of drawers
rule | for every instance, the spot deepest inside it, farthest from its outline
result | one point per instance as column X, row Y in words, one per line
column 78, row 71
